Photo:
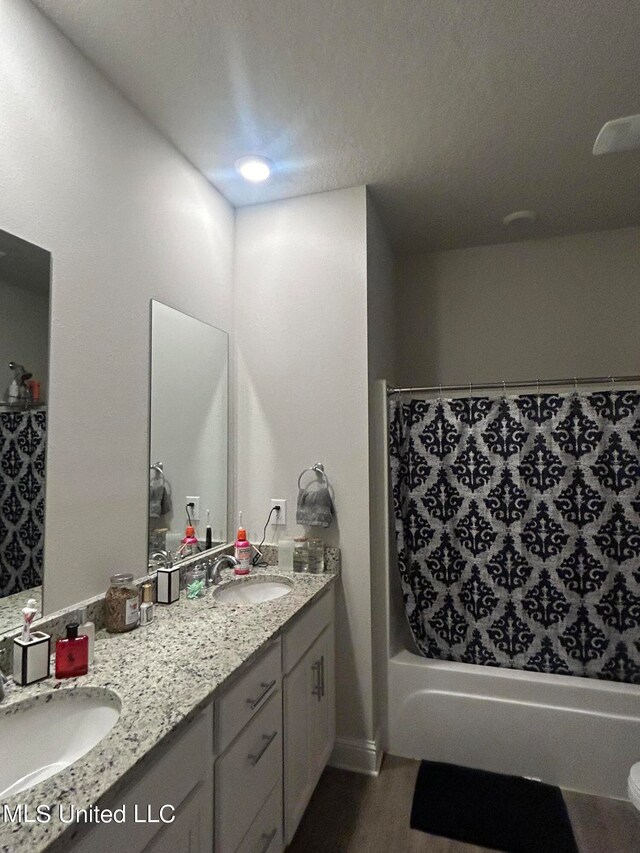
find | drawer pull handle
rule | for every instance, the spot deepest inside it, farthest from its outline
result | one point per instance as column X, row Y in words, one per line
column 317, row 689
column 268, row 838
column 268, row 740
column 253, row 703
column 322, row 676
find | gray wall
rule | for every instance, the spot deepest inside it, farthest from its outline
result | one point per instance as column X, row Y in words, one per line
column 381, row 348
column 126, row 218
column 568, row 306
column 301, row 397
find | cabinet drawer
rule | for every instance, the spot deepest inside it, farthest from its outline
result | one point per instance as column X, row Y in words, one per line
column 265, row 833
column 305, row 630
column 248, row 695
column 247, row 773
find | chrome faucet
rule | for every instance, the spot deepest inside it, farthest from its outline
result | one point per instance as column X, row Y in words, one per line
column 165, row 556
column 3, row 678
column 213, row 569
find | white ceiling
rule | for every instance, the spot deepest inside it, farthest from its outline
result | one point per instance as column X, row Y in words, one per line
column 455, row 112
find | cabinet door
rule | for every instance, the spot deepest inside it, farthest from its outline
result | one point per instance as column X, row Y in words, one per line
column 322, row 716
column 191, row 831
column 309, row 727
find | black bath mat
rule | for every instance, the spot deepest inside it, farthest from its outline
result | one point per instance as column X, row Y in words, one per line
column 504, row 813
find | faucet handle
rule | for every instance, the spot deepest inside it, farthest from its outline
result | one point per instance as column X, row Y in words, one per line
column 4, row 679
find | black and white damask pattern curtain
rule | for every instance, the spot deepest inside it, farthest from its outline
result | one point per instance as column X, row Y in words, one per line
column 518, row 530
column 22, row 469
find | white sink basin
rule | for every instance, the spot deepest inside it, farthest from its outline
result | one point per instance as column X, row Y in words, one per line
column 40, row 737
column 253, row 591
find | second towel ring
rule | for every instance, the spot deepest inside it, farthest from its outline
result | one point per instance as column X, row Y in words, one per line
column 318, row 470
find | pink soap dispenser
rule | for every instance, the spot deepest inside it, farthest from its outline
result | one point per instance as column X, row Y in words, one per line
column 242, row 551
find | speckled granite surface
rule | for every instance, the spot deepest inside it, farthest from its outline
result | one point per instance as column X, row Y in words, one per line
column 162, row 677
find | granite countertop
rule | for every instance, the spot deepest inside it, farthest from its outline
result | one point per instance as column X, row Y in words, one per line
column 163, row 674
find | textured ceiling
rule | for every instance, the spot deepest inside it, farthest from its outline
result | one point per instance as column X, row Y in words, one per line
column 455, row 112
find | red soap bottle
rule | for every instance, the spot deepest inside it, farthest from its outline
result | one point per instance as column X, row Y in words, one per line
column 72, row 654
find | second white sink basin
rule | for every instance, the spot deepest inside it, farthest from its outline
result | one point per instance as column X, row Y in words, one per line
column 39, row 738
column 253, row 591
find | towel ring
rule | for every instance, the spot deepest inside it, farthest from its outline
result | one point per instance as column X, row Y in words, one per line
column 158, row 468
column 318, row 470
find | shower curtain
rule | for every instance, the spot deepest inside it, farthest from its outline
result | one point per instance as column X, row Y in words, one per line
column 22, row 471
column 518, row 530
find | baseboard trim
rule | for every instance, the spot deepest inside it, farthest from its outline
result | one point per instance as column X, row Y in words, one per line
column 360, row 756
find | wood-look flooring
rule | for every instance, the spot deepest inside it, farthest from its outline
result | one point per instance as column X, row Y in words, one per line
column 352, row 813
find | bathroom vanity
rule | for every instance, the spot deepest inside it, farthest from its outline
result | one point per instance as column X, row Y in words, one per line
column 227, row 722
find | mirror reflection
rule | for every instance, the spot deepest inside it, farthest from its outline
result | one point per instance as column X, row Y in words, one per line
column 188, row 443
column 25, row 271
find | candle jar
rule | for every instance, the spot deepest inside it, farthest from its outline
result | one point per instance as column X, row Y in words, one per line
column 195, row 581
column 316, row 556
column 300, row 555
column 121, row 605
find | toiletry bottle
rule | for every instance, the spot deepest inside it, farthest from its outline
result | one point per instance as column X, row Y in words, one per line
column 242, row 551
column 29, row 613
column 147, row 606
column 189, row 546
column 13, row 394
column 86, row 629
column 72, row 654
column 208, row 539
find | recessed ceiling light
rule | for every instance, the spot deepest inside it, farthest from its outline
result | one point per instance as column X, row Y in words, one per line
column 620, row 134
column 254, row 168
column 520, row 217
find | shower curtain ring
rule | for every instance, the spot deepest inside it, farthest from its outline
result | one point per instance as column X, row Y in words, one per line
column 440, row 392
column 613, row 381
column 504, row 388
column 538, row 387
column 575, row 384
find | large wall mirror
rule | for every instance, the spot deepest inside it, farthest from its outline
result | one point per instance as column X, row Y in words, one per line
column 25, row 273
column 189, row 429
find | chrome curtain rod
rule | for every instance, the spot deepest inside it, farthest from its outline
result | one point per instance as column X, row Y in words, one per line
column 534, row 383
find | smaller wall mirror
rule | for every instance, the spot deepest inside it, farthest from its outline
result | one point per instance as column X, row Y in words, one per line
column 25, row 271
column 189, row 430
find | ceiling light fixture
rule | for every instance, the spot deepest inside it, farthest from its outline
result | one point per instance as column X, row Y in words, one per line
column 620, row 134
column 254, row 168
column 520, row 217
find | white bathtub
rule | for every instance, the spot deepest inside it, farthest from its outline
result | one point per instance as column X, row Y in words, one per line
column 578, row 733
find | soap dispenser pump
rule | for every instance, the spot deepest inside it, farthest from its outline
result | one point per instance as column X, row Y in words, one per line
column 242, row 551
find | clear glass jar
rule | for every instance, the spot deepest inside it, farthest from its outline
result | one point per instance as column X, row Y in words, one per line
column 121, row 605
column 301, row 554
column 195, row 581
column 316, row 556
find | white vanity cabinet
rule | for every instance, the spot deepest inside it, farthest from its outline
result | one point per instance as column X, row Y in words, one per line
column 248, row 768
column 241, row 774
column 275, row 732
column 309, row 707
column 181, row 777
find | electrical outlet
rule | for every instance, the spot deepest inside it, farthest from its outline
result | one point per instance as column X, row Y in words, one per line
column 195, row 511
column 279, row 517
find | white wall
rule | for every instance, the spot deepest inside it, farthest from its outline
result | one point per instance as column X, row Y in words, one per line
column 126, row 219
column 24, row 334
column 301, row 396
column 568, row 306
column 381, row 346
